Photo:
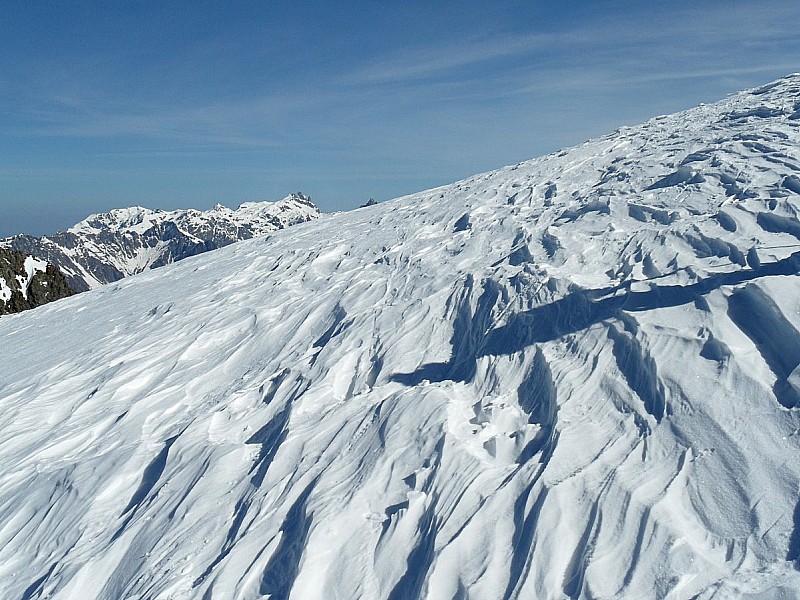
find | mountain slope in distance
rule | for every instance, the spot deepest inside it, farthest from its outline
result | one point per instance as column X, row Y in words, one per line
column 109, row 246
column 26, row 282
column 576, row 377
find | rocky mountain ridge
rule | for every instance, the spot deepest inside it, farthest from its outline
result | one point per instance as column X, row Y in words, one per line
column 26, row 282
column 109, row 246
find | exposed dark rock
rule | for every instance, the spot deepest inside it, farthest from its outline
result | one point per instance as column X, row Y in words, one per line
column 27, row 283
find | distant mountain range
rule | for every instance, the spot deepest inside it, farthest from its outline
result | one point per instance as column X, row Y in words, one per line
column 109, row 246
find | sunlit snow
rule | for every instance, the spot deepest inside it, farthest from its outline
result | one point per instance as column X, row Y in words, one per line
column 575, row 377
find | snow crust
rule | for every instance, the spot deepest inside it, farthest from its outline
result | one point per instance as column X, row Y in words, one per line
column 570, row 378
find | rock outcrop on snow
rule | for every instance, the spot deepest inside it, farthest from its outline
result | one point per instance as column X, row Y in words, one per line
column 26, row 282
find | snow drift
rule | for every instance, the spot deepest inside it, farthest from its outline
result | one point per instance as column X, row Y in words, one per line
column 576, row 377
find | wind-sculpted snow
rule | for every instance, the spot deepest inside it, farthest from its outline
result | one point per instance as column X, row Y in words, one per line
column 577, row 377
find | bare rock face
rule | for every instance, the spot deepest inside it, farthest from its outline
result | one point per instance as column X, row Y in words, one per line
column 109, row 246
column 26, row 282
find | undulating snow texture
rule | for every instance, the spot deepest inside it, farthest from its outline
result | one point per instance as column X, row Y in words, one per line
column 576, row 377
column 109, row 246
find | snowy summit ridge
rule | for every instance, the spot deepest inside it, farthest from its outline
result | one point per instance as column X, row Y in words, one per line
column 576, row 377
column 108, row 246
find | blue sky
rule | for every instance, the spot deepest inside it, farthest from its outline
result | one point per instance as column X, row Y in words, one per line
column 184, row 104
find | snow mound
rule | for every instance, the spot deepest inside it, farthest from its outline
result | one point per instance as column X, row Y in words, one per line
column 575, row 377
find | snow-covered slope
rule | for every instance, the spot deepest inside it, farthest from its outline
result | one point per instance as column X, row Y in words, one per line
column 576, row 377
column 109, row 246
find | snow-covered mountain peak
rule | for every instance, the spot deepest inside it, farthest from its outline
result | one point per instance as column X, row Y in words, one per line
column 115, row 219
column 575, row 377
column 108, row 246
column 297, row 198
column 285, row 210
column 139, row 219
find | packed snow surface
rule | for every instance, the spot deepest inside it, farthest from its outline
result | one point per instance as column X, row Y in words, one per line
column 576, row 377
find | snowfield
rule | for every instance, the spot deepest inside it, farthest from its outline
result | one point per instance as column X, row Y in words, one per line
column 576, row 377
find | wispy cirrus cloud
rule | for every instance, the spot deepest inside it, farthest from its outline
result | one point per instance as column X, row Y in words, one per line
column 429, row 60
column 591, row 50
column 237, row 122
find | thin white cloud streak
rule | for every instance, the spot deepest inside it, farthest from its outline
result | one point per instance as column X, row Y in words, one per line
column 425, row 61
column 692, row 32
column 236, row 123
column 617, row 58
column 552, row 65
column 600, row 79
